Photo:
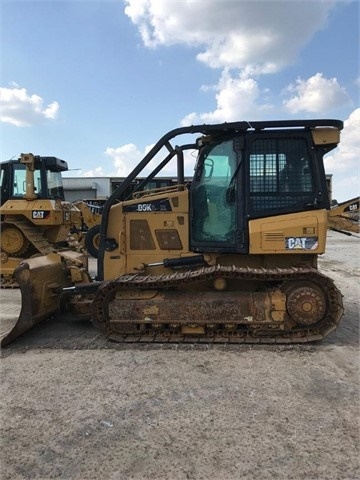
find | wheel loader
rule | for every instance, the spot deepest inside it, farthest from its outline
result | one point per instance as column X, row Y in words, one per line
column 231, row 259
column 35, row 219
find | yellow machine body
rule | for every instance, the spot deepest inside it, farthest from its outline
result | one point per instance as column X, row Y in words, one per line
column 53, row 218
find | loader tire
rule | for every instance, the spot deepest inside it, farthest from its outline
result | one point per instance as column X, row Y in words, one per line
column 92, row 240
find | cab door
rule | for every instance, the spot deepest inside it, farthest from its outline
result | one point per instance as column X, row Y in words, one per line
column 216, row 200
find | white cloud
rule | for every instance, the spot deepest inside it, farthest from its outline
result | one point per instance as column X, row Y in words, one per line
column 316, row 95
column 236, row 98
column 240, row 97
column 347, row 155
column 125, row 158
column 96, row 172
column 245, row 39
column 344, row 162
column 263, row 34
column 21, row 109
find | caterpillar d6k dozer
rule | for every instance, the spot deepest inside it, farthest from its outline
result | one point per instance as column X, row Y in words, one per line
column 35, row 219
column 232, row 258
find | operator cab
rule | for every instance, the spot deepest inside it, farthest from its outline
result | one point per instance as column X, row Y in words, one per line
column 252, row 175
column 47, row 178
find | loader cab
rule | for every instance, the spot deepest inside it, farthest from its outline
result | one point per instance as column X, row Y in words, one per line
column 254, row 174
column 47, row 180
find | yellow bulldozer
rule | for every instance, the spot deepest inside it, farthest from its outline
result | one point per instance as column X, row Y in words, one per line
column 230, row 259
column 35, row 218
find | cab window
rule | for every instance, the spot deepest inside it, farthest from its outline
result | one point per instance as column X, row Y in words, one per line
column 213, row 217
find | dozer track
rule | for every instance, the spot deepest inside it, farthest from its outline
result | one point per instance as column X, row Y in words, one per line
column 211, row 305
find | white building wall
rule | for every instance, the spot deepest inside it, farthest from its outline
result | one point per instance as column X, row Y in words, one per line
column 79, row 188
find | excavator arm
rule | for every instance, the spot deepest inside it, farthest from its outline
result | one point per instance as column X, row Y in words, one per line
column 344, row 217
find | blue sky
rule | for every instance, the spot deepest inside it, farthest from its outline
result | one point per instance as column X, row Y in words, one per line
column 96, row 83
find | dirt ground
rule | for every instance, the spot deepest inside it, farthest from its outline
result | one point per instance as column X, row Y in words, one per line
column 77, row 407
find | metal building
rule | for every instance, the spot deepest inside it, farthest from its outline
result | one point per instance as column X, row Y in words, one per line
column 80, row 188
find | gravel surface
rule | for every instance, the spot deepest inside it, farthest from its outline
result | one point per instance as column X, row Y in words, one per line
column 77, row 407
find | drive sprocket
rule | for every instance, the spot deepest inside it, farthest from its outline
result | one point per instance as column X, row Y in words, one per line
column 13, row 241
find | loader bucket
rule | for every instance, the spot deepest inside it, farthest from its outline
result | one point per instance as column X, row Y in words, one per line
column 40, row 280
